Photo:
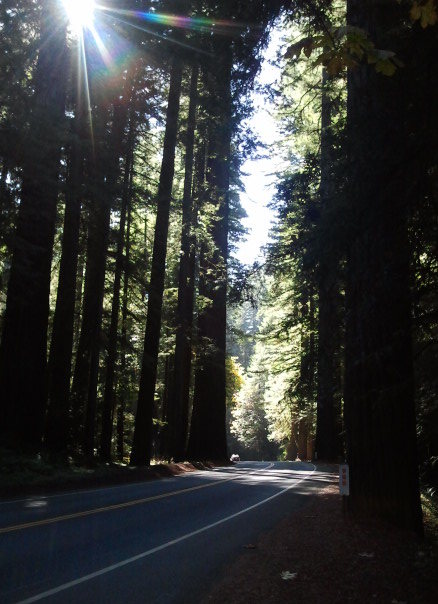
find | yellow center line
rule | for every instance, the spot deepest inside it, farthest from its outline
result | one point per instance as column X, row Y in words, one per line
column 109, row 508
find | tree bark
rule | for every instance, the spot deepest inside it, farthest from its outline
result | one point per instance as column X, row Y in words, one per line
column 208, row 432
column 124, row 387
column 379, row 394
column 180, row 390
column 292, row 446
column 106, row 172
column 327, row 439
column 23, row 351
column 57, row 429
column 89, row 339
column 142, row 443
column 303, row 433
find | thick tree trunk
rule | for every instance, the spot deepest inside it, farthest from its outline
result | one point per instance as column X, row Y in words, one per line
column 303, row 433
column 327, row 439
column 208, row 432
column 23, row 352
column 379, row 395
column 141, row 449
column 57, row 429
column 180, row 390
column 292, row 446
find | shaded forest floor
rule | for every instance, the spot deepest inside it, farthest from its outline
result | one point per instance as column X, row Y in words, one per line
column 26, row 475
column 318, row 556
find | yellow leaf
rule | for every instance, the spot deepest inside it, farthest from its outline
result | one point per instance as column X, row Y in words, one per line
column 429, row 14
column 334, row 66
column 426, row 13
column 415, row 12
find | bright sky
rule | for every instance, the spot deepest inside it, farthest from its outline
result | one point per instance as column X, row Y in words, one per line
column 259, row 182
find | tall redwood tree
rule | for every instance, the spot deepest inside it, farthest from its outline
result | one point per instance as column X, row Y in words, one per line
column 23, row 352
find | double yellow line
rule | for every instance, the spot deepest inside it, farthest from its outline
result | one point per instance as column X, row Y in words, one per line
column 119, row 506
column 109, row 508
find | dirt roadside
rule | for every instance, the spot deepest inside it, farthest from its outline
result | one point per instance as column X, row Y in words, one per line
column 26, row 479
column 318, row 556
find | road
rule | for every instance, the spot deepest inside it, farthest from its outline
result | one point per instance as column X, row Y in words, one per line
column 165, row 541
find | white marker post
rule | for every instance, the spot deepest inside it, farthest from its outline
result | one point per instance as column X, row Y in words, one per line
column 344, row 485
column 344, row 479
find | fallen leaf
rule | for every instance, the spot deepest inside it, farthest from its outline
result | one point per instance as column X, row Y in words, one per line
column 286, row 575
column 366, row 555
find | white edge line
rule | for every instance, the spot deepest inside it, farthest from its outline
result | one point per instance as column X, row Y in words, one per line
column 108, row 569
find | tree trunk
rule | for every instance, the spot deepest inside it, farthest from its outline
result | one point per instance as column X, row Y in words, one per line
column 124, row 386
column 106, row 172
column 379, row 395
column 303, row 433
column 23, row 351
column 98, row 230
column 208, row 430
column 141, row 449
column 109, row 394
column 327, row 446
column 57, row 430
column 292, row 446
column 180, row 390
column 162, row 446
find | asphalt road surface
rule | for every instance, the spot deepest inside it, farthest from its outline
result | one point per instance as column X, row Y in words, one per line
column 165, row 541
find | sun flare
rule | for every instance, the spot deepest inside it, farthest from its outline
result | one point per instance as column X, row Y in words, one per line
column 80, row 13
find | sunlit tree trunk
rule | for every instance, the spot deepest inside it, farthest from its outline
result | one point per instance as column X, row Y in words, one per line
column 292, row 446
column 23, row 352
column 106, row 172
column 180, row 390
column 303, row 433
column 208, row 432
column 142, row 444
column 124, row 380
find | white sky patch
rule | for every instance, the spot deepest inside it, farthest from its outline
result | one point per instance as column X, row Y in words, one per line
column 259, row 179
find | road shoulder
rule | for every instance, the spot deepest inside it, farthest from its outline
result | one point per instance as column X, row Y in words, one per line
column 317, row 555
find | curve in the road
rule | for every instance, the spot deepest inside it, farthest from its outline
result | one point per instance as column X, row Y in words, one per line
column 117, row 506
column 149, row 552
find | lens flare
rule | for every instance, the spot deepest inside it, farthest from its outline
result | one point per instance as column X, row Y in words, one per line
column 200, row 24
column 80, row 14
